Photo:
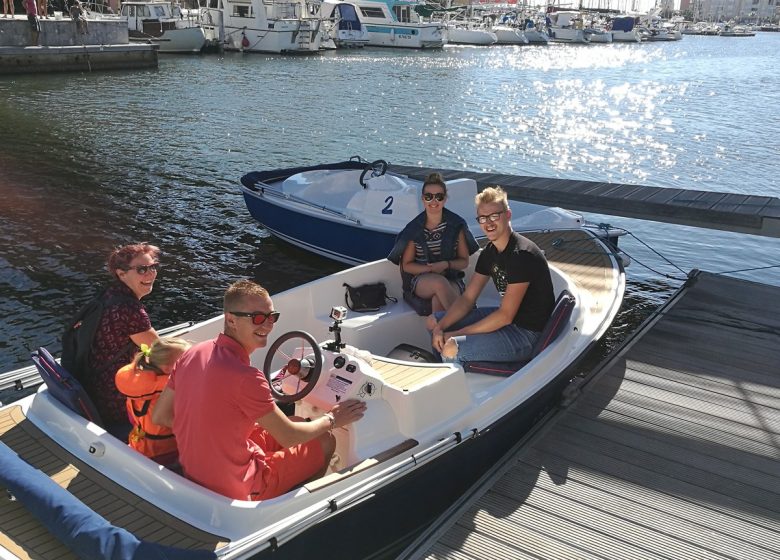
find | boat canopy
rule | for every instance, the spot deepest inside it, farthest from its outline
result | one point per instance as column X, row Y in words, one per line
column 348, row 18
column 623, row 24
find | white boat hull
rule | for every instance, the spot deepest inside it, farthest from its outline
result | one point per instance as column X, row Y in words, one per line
column 442, row 420
column 464, row 36
column 569, row 35
column 509, row 35
column 187, row 40
column 412, row 36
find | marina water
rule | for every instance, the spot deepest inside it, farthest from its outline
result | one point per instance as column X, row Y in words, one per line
column 89, row 161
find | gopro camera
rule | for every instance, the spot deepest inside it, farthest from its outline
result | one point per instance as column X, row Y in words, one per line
column 338, row 313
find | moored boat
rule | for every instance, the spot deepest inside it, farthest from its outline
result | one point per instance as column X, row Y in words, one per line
column 397, row 23
column 342, row 26
column 430, row 430
column 273, row 26
column 163, row 23
column 351, row 211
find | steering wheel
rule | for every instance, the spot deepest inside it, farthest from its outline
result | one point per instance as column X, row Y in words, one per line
column 377, row 169
column 295, row 353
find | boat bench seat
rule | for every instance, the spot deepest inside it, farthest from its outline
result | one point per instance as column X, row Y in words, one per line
column 558, row 320
column 356, row 329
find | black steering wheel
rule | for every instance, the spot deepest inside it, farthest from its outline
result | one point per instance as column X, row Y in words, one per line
column 377, row 169
column 295, row 353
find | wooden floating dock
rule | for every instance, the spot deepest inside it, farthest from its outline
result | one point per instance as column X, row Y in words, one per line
column 757, row 215
column 670, row 450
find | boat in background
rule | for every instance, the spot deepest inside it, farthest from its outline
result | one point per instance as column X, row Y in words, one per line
column 398, row 23
column 567, row 27
column 624, row 30
column 351, row 211
column 342, row 26
column 736, row 31
column 509, row 35
column 164, row 24
column 430, row 429
column 272, row 26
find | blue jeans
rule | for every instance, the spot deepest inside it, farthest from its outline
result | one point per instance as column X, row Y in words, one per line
column 508, row 344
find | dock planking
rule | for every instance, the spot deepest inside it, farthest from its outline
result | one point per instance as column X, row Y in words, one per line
column 757, row 215
column 671, row 449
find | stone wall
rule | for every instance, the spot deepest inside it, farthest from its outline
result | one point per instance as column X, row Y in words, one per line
column 63, row 32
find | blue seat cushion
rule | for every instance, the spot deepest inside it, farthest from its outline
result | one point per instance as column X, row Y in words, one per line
column 558, row 320
column 64, row 387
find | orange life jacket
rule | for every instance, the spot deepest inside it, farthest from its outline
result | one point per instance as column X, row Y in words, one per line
column 142, row 388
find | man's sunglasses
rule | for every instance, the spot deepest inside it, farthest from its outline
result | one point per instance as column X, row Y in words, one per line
column 427, row 197
column 144, row 268
column 258, row 317
column 490, row 217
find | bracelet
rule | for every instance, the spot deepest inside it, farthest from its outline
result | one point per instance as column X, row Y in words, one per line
column 332, row 419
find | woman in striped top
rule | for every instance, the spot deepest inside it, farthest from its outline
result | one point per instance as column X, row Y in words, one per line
column 437, row 250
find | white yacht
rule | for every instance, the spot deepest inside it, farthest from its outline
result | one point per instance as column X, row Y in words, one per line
column 396, row 23
column 469, row 33
column 509, row 35
column 342, row 27
column 274, row 26
column 164, row 24
column 567, row 27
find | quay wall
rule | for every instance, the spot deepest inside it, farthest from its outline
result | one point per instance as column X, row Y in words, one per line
column 28, row 60
column 63, row 32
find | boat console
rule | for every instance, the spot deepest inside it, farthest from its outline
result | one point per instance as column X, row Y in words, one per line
column 406, row 400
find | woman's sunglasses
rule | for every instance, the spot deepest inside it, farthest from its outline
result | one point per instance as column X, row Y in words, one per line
column 427, row 197
column 258, row 317
column 144, row 268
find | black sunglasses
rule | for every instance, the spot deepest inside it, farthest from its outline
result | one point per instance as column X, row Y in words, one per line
column 427, row 197
column 258, row 317
column 490, row 217
column 144, row 268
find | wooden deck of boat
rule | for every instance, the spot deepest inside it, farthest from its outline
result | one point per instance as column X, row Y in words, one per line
column 671, row 450
column 24, row 536
column 758, row 215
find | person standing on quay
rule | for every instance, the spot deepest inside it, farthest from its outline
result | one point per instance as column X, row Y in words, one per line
column 8, row 5
column 35, row 24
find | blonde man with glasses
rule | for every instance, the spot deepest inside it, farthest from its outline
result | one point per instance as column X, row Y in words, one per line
column 520, row 273
column 232, row 437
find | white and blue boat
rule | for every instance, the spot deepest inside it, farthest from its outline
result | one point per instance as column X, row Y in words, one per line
column 431, row 430
column 397, row 23
column 351, row 211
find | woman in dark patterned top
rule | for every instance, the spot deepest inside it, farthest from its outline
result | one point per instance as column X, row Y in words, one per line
column 123, row 327
column 434, row 248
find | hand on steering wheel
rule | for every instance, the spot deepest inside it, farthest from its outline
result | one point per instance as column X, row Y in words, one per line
column 377, row 169
column 294, row 354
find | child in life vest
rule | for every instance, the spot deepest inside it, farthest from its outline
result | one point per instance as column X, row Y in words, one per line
column 142, row 381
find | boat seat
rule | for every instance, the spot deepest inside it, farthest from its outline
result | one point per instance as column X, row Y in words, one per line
column 558, row 320
column 64, row 387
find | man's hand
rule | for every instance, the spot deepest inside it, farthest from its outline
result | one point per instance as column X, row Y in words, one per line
column 438, row 339
column 347, row 412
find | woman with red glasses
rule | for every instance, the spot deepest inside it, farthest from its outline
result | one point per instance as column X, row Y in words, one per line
column 433, row 250
column 124, row 325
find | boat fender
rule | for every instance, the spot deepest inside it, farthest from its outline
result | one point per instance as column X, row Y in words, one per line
column 244, row 41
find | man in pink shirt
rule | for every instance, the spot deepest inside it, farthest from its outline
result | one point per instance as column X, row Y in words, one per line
column 232, row 437
column 32, row 17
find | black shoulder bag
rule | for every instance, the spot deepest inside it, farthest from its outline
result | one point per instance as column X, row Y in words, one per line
column 368, row 297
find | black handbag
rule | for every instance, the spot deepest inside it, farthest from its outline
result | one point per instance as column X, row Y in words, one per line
column 368, row 297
